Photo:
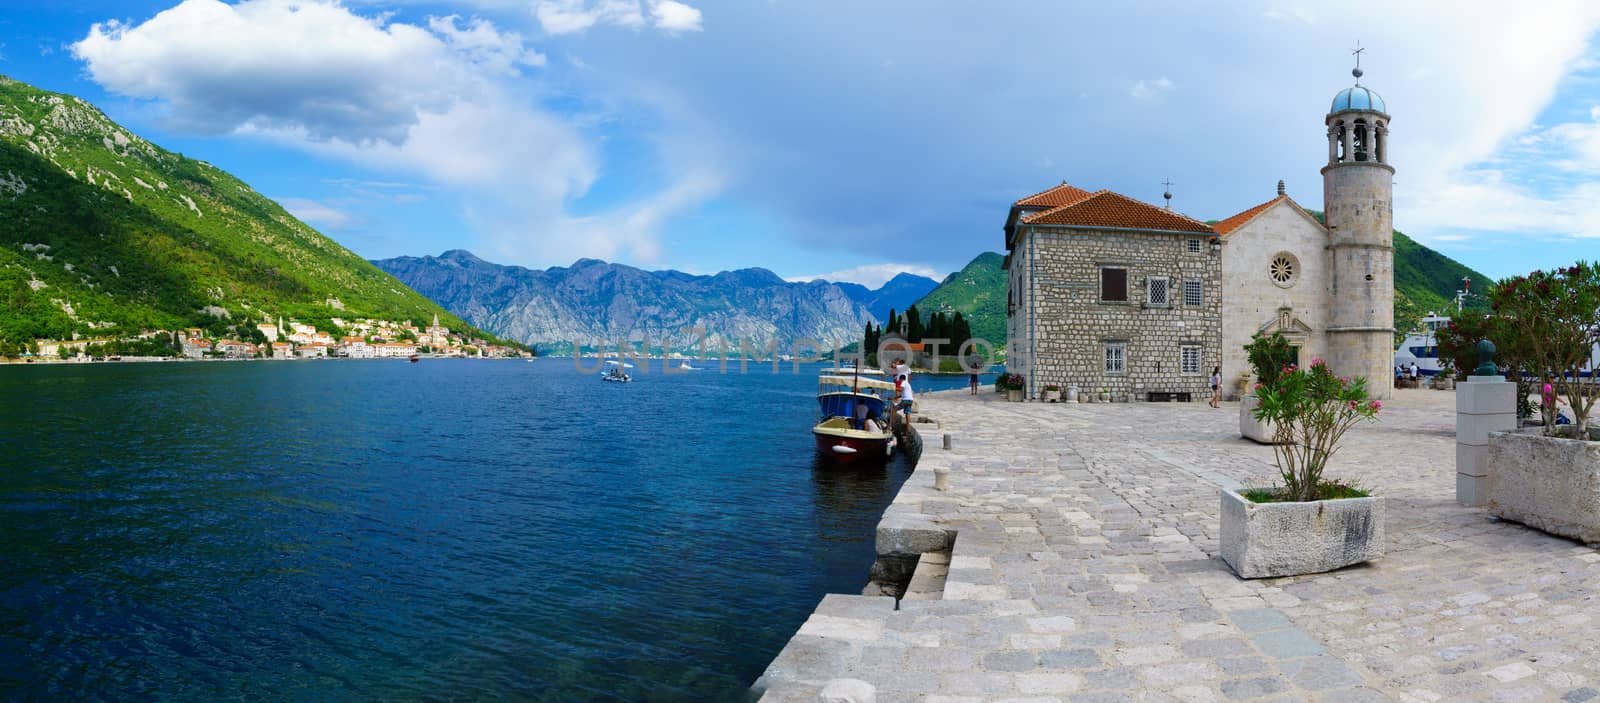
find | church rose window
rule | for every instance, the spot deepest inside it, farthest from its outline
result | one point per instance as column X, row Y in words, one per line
column 1283, row 269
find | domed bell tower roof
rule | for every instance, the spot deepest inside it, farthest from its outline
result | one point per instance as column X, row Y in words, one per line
column 1358, row 97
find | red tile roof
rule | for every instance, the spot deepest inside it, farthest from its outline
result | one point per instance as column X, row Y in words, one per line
column 1107, row 209
column 1055, row 197
column 1237, row 221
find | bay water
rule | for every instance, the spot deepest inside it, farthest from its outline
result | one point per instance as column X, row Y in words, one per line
column 451, row 529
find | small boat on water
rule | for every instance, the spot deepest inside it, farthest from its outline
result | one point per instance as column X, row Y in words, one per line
column 686, row 367
column 616, row 372
column 853, row 427
column 415, row 358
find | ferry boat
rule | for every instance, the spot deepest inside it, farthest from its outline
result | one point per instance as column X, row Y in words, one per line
column 843, row 399
column 1421, row 348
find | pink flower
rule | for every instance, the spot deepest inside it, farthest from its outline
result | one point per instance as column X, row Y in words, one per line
column 1376, row 406
column 1354, row 405
column 1317, row 361
column 1258, row 386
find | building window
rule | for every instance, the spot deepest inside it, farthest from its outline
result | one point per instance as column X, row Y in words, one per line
column 1193, row 294
column 1157, row 293
column 1194, row 245
column 1283, row 269
column 1189, row 358
column 1116, row 354
column 1113, row 285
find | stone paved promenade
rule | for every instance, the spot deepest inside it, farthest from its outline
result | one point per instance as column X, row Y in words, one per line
column 1086, row 569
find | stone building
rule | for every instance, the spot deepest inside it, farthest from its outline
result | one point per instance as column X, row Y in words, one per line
column 1107, row 292
column 1072, row 256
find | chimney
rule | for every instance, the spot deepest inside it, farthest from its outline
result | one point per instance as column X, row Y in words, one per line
column 1280, row 188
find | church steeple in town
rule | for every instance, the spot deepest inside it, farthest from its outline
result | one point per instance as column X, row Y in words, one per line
column 1357, row 192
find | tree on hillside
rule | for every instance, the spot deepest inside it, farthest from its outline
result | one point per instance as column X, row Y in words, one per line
column 913, row 325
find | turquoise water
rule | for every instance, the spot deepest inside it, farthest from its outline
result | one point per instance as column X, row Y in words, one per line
column 384, row 530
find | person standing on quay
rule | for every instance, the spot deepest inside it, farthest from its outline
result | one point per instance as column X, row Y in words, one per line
column 972, row 382
column 1216, row 386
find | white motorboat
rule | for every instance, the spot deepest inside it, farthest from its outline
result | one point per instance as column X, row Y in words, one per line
column 616, row 372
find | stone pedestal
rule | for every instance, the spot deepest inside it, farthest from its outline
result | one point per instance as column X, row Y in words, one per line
column 1484, row 404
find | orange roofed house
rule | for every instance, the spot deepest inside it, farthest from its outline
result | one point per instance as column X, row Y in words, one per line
column 1110, row 292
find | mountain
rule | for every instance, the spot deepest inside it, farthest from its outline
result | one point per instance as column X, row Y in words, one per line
column 1426, row 281
column 592, row 302
column 107, row 234
column 898, row 293
column 978, row 292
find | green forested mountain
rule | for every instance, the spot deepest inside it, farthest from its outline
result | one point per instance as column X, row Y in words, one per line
column 978, row 292
column 104, row 234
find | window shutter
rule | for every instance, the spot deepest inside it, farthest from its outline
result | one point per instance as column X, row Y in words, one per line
column 1113, row 284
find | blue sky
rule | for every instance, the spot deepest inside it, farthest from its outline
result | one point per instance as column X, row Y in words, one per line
column 845, row 139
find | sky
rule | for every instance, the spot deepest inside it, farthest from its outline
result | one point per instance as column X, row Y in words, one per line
column 846, row 140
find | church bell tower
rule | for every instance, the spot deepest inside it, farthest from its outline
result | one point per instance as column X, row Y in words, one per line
column 1357, row 193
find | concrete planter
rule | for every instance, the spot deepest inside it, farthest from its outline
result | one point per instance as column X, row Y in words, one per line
column 1268, row 540
column 1014, row 396
column 1547, row 483
column 1251, row 428
column 1050, row 396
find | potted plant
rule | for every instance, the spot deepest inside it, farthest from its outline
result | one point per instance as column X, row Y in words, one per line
column 1013, row 385
column 1308, row 524
column 1549, row 478
column 1270, row 355
column 1052, row 393
column 1105, row 395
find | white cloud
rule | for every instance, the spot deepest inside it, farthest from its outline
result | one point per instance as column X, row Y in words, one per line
column 442, row 101
column 874, row 275
column 1147, row 89
column 674, row 16
column 571, row 16
column 316, row 213
column 486, row 46
column 1299, row 14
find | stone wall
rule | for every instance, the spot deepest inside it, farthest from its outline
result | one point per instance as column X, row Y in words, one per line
column 1061, row 319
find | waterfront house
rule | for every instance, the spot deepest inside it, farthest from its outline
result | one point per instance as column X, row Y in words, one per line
column 195, row 347
column 282, row 350
column 234, row 349
column 312, row 351
column 268, row 330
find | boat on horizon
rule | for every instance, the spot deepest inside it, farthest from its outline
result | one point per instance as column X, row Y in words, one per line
column 853, row 426
column 616, row 372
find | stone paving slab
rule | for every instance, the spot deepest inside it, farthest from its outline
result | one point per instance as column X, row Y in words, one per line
column 1085, row 568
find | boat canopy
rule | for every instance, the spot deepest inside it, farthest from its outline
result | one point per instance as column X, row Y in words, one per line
column 854, row 382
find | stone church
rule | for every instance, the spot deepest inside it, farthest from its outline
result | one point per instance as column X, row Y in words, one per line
column 1108, row 292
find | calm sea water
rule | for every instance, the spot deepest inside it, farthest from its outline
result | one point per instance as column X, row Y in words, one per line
column 442, row 530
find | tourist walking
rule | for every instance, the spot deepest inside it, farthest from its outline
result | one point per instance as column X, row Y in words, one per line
column 1216, row 386
column 972, row 382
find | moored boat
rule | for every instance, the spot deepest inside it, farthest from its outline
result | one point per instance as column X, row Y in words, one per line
column 852, row 426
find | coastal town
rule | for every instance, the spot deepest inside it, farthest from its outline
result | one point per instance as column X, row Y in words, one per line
column 363, row 338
